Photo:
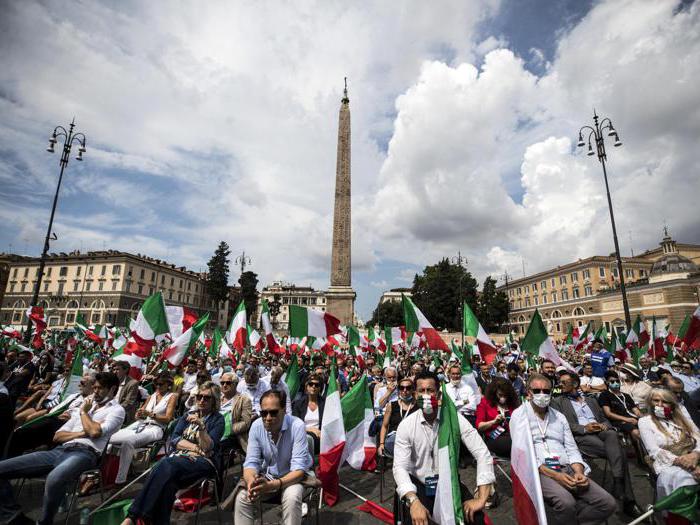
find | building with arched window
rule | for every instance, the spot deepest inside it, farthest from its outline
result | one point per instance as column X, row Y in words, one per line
column 663, row 283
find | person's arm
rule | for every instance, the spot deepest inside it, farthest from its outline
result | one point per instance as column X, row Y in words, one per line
column 470, row 396
column 402, row 459
column 243, row 424
column 383, row 431
column 612, row 416
column 169, row 411
column 387, row 396
column 559, row 404
column 570, row 446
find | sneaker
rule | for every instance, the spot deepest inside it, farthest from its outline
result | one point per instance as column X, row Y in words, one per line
column 304, row 509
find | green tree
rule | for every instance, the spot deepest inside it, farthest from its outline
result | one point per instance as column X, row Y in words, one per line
column 493, row 306
column 217, row 280
column 249, row 292
column 387, row 314
column 437, row 293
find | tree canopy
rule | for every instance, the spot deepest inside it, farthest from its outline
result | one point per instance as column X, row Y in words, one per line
column 493, row 306
column 389, row 313
column 217, row 280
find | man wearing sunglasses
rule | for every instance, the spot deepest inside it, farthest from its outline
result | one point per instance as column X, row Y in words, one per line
column 239, row 409
column 276, row 462
column 565, row 487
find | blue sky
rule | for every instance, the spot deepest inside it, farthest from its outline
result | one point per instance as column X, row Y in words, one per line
column 219, row 122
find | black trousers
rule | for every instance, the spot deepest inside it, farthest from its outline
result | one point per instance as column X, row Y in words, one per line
column 403, row 514
column 500, row 446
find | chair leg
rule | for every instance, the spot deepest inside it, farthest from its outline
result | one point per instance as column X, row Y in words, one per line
column 318, row 508
column 72, row 500
column 199, row 503
column 260, row 510
column 499, row 467
column 382, row 466
column 218, row 501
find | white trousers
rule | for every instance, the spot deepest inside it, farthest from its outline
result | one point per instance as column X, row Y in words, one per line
column 128, row 441
column 244, row 513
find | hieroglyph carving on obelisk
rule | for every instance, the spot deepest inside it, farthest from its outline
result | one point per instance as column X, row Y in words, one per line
column 341, row 262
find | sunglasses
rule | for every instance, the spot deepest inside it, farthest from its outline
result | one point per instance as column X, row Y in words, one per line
column 271, row 413
column 405, row 387
column 314, row 385
column 202, row 397
column 541, row 390
column 226, row 382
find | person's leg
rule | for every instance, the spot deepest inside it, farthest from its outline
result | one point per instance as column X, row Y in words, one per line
column 594, row 505
column 28, row 465
column 500, row 446
column 66, row 472
column 244, row 509
column 160, row 477
column 559, row 499
column 389, row 442
column 129, row 441
column 184, row 473
column 291, row 504
column 591, row 445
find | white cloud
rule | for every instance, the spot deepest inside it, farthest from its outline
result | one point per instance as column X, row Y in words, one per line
column 381, row 285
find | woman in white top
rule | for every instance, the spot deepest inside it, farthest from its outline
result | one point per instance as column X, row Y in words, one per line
column 151, row 420
column 672, row 441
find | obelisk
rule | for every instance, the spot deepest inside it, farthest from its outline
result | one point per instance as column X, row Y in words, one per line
column 341, row 297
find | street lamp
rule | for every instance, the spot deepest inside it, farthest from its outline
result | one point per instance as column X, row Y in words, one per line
column 596, row 135
column 243, row 260
column 506, row 277
column 462, row 263
column 68, row 139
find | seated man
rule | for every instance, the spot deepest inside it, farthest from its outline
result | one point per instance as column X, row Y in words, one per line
column 462, row 394
column 565, row 487
column 416, row 466
column 128, row 393
column 81, row 441
column 595, row 436
column 386, row 393
column 685, row 404
column 253, row 387
column 591, row 384
column 237, row 410
column 276, row 462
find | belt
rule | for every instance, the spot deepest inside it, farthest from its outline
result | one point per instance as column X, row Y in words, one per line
column 80, row 446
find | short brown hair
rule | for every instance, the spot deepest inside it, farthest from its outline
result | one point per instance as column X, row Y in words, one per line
column 537, row 377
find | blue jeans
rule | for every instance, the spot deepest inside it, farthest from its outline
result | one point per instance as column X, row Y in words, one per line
column 62, row 469
column 155, row 501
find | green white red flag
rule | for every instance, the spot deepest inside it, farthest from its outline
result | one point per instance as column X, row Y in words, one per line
column 150, row 323
column 270, row 341
column 473, row 328
column 332, row 441
column 306, row 322
column 179, row 348
column 415, row 321
column 238, row 329
column 692, row 333
column 180, row 318
column 538, row 343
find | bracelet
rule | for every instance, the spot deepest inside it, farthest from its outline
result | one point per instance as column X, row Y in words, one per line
column 280, row 480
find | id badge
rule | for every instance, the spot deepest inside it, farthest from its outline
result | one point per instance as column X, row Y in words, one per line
column 431, row 486
column 553, row 463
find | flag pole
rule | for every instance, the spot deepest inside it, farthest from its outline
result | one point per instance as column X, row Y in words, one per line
column 644, row 516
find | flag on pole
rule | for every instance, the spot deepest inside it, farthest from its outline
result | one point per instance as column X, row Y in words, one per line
column 360, row 449
column 538, row 343
column 332, row 441
column 684, row 501
column 448, row 494
column 692, row 333
column 569, row 336
column 270, row 341
column 151, row 322
column 305, row 322
column 238, row 329
column 415, row 321
column 76, row 373
column 85, row 332
column 179, row 348
column 180, row 318
column 473, row 328
column 291, row 377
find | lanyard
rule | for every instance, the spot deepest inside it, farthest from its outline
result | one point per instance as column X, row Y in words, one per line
column 432, row 439
column 624, row 405
column 402, row 413
column 543, row 431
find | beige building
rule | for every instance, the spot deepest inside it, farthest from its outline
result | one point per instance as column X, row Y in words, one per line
column 662, row 283
column 106, row 287
column 394, row 295
column 282, row 295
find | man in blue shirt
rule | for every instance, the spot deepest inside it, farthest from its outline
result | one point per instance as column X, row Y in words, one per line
column 601, row 360
column 277, row 460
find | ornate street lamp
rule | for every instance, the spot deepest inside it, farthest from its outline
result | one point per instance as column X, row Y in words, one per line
column 69, row 138
column 462, row 263
column 596, row 136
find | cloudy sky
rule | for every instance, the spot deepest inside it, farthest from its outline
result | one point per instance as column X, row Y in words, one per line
column 211, row 121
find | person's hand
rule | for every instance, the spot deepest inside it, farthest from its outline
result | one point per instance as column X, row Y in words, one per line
column 471, row 507
column 390, row 387
column 87, row 405
column 592, row 428
column 696, row 473
column 581, row 480
column 194, row 418
column 686, row 461
column 254, row 488
column 64, row 416
column 315, row 431
column 565, row 480
column 632, row 421
column 500, row 418
column 419, row 514
column 140, row 414
column 380, row 450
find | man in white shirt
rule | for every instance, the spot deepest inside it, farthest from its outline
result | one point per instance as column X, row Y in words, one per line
column 416, row 459
column 591, row 384
column 81, row 441
column 386, row 393
column 276, row 383
column 462, row 395
column 253, row 387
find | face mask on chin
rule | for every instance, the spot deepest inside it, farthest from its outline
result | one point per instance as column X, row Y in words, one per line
column 541, row 400
column 407, row 399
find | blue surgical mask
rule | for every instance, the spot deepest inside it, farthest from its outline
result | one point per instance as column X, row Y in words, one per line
column 239, row 373
column 228, row 369
column 441, row 377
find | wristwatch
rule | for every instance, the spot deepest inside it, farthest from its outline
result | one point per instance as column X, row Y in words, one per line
column 411, row 499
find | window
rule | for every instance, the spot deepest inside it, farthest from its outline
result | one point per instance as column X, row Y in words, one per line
column 285, row 300
column 179, row 297
column 534, row 287
column 103, row 270
column 142, row 274
column 12, row 288
column 527, row 289
column 579, row 312
column 510, row 293
column 48, row 272
column 304, row 301
column 562, row 279
column 189, row 285
column 576, row 293
column 527, row 302
column 642, row 273
column 588, row 291
column 180, row 284
column 614, row 272
column 601, row 271
column 14, row 273
column 88, row 285
column 63, row 271
column 140, row 289
column 520, row 291
column 95, row 317
column 558, row 327
column 170, row 295
column 554, row 282
column 114, row 285
column 629, row 272
column 544, row 299
column 537, row 301
column 101, row 286
column 60, row 288
column 78, row 271
column 574, row 277
column 70, row 318
column 116, row 269
column 172, row 281
column 46, row 287
column 90, row 269
column 554, row 297
column 162, row 279
column 150, row 290
column 295, row 300
column 586, row 274
column 26, row 272
column 153, row 277
column 543, row 285
column 565, row 295
column 75, row 285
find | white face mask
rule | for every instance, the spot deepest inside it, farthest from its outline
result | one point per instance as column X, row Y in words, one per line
column 541, row 400
column 502, row 400
column 456, row 382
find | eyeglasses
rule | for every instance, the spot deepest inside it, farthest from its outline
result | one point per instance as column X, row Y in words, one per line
column 541, row 390
column 405, row 387
column 314, row 385
column 226, row 382
column 271, row 413
column 202, row 397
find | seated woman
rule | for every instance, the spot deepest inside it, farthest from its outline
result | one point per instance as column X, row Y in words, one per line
column 309, row 408
column 493, row 414
column 196, row 440
column 44, row 375
column 151, row 421
column 672, row 441
column 619, row 407
column 397, row 411
column 41, row 401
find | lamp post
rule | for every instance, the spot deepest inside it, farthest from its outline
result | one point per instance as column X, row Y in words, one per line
column 459, row 260
column 242, row 260
column 505, row 277
column 596, row 135
column 68, row 139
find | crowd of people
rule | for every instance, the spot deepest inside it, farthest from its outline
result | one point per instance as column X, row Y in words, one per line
column 198, row 416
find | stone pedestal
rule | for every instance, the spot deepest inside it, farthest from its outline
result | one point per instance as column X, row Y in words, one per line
column 340, row 303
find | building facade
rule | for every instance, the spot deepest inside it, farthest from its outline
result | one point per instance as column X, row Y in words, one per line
column 394, row 295
column 662, row 283
column 281, row 295
column 106, row 287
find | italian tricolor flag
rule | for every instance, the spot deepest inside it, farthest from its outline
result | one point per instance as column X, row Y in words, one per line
column 538, row 343
column 270, row 341
column 218, row 348
column 151, row 322
column 415, row 321
column 180, row 318
column 692, row 333
column 473, row 328
column 448, row 495
column 238, row 330
column 84, row 331
column 76, row 373
column 305, row 322
column 345, row 434
column 177, row 351
column 638, row 333
column 527, row 490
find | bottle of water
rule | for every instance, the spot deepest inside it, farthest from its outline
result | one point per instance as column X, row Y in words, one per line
column 85, row 516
